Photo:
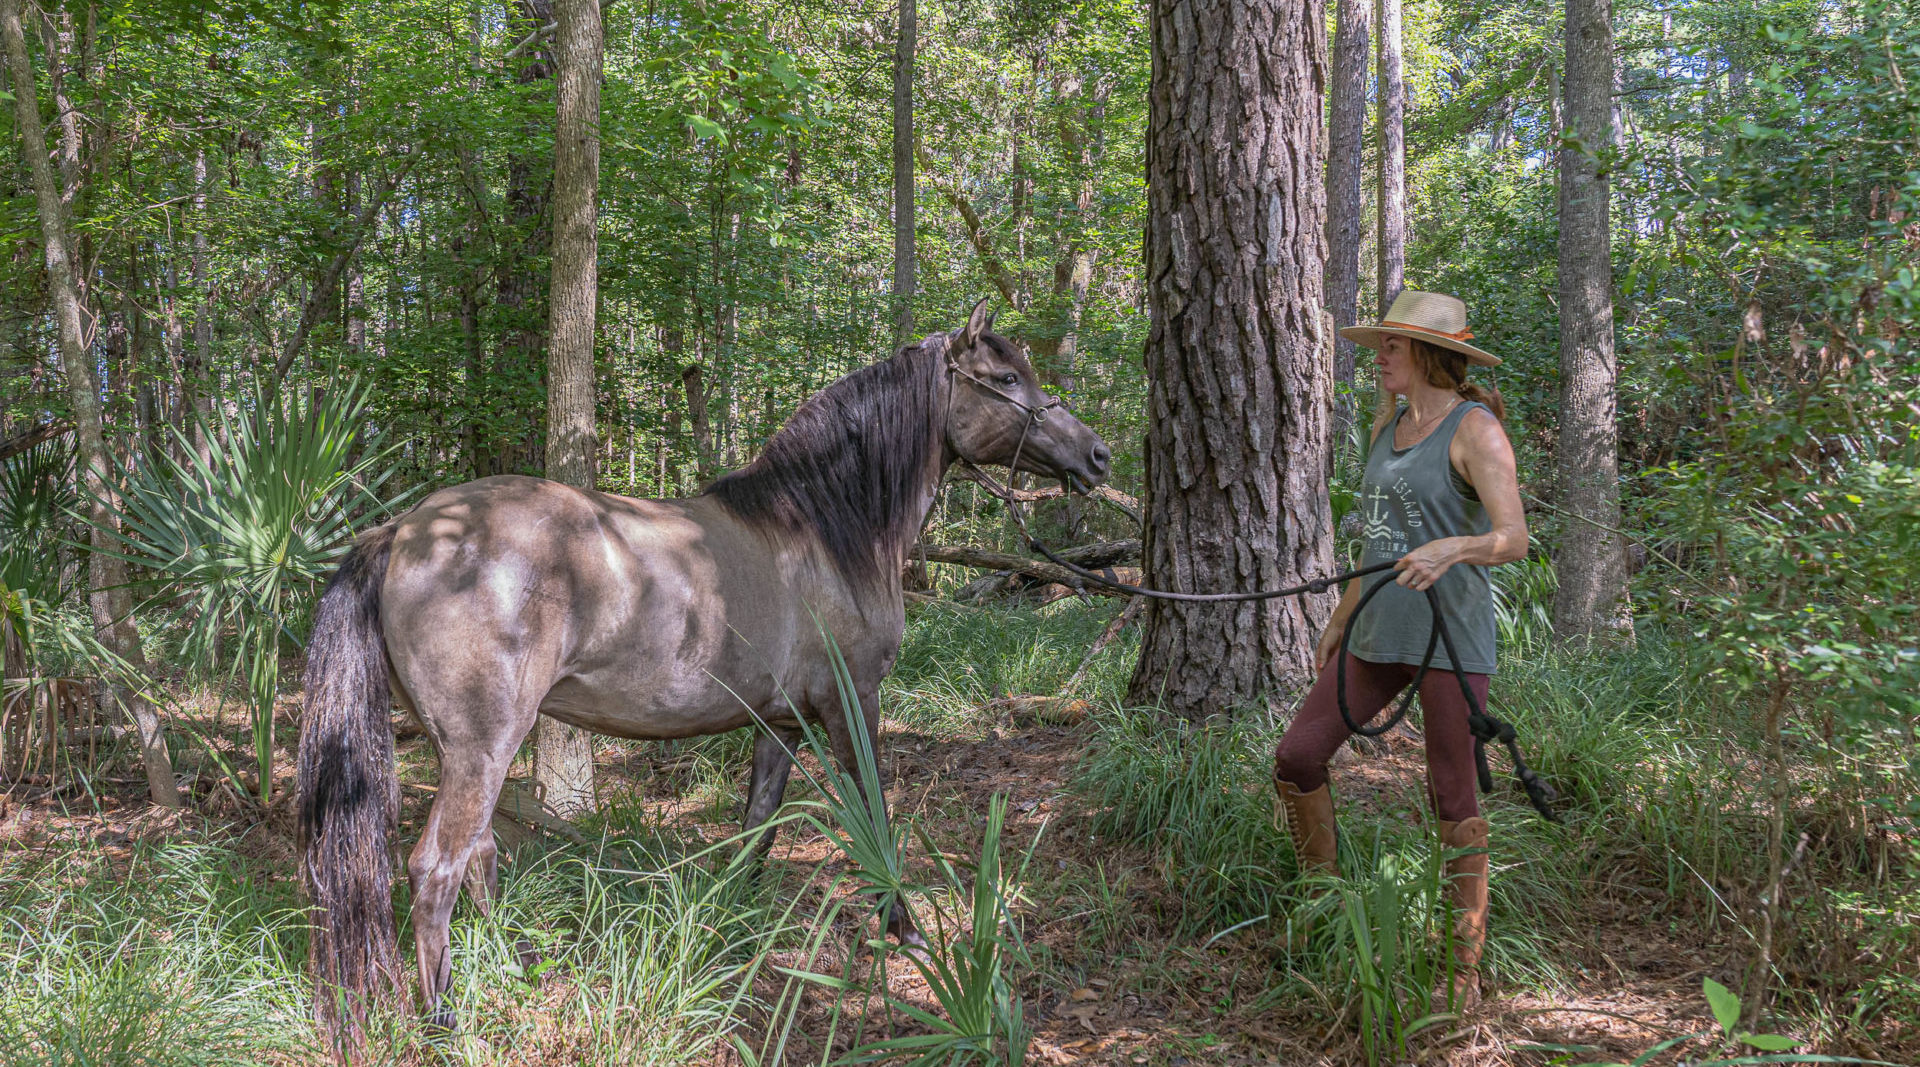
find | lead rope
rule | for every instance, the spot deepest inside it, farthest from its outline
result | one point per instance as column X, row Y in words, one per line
column 1482, row 725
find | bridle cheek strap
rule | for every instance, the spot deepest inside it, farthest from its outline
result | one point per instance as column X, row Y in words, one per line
column 1035, row 415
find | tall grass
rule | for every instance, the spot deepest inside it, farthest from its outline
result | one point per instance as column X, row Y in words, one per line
column 172, row 955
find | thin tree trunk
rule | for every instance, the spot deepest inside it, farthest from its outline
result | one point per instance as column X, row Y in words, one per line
column 195, row 398
column 1238, row 382
column 520, row 294
column 1347, row 109
column 111, row 604
column 1391, row 268
column 355, row 306
column 1779, row 788
column 694, row 383
column 1390, row 249
column 1591, row 560
column 563, row 754
column 903, row 251
column 326, row 283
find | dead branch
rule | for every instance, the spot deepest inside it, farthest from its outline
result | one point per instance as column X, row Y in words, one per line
column 33, row 435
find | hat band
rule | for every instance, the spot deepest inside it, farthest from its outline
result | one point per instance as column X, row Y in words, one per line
column 1463, row 335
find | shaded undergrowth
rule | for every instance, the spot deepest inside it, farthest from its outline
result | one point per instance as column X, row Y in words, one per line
column 661, row 949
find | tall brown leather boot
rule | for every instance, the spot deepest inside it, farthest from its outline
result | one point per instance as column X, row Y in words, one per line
column 1309, row 821
column 1467, row 889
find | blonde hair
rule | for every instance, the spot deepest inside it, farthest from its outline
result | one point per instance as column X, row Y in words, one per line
column 1444, row 368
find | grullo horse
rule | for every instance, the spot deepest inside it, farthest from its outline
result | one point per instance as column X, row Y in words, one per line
column 500, row 600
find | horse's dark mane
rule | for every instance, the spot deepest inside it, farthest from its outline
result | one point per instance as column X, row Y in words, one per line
column 846, row 468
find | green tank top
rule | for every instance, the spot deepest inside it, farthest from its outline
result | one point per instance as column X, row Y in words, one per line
column 1411, row 496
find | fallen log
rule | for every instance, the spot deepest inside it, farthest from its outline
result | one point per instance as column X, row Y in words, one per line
column 1110, row 552
column 1106, row 494
column 1096, row 555
column 33, row 435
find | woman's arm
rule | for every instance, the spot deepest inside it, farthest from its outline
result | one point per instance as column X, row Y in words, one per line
column 1481, row 450
column 1329, row 644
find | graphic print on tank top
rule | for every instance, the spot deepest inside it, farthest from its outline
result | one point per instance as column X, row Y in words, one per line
column 1390, row 518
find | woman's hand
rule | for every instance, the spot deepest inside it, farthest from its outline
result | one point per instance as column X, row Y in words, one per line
column 1329, row 645
column 1423, row 566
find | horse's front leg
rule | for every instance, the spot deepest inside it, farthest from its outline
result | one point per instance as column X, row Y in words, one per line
column 840, row 732
column 772, row 763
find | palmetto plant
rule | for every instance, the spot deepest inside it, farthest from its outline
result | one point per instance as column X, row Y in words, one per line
column 36, row 500
column 44, row 633
column 246, row 535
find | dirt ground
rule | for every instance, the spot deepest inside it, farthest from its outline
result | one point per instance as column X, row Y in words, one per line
column 1158, row 1000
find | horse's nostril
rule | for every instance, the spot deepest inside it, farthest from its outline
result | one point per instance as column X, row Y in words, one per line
column 1101, row 456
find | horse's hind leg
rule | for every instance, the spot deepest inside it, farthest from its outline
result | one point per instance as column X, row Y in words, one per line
column 471, row 774
column 772, row 763
column 483, row 872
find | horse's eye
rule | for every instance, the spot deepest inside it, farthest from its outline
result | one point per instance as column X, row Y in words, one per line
column 1009, row 378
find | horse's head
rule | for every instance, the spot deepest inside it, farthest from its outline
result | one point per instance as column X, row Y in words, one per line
column 997, row 413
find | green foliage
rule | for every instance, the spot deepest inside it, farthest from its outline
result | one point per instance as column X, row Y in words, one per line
column 179, row 957
column 248, row 533
column 1803, row 508
column 36, row 512
column 982, row 1020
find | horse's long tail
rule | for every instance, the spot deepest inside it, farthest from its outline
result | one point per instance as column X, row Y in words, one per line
column 349, row 798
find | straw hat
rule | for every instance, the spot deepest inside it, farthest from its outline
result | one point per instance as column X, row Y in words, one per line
column 1435, row 318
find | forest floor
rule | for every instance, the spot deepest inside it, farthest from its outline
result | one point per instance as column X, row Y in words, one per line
column 1115, row 971
column 1148, row 996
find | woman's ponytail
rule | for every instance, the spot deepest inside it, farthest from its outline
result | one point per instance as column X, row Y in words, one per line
column 1488, row 395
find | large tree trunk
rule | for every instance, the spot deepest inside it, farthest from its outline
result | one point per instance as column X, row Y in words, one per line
column 111, row 603
column 1391, row 186
column 903, row 252
column 1238, row 382
column 563, row 755
column 1591, row 560
column 1345, row 151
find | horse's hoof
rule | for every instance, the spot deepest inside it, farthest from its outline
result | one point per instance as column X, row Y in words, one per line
column 913, row 946
column 442, row 1022
column 529, row 959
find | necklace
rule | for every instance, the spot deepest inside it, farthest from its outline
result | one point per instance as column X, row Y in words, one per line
column 1419, row 430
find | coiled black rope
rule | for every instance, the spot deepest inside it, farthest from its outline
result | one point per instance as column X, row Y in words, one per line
column 1484, row 727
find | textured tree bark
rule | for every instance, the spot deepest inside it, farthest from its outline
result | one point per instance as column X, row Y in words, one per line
column 1392, row 116
column 1347, row 111
column 903, row 251
column 694, row 382
column 563, row 755
column 111, row 603
column 1591, row 560
column 1239, row 380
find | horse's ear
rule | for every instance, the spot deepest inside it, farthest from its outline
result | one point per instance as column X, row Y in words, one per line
column 977, row 323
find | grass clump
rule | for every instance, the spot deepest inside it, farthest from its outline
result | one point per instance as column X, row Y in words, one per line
column 1199, row 797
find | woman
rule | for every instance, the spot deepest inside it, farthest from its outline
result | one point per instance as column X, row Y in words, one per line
column 1442, row 498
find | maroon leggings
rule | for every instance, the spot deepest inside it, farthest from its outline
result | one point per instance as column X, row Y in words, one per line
column 1317, row 731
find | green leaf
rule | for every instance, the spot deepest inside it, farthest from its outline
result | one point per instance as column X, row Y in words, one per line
column 1726, row 1006
column 1768, row 1042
